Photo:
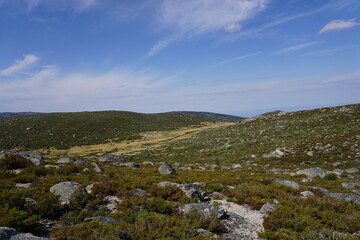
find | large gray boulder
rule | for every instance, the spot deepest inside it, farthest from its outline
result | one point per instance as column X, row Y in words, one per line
column 350, row 197
column 204, row 209
column 7, row 233
column 35, row 158
column 288, row 183
column 313, row 172
column 166, row 168
column 112, row 158
column 64, row 160
column 65, row 191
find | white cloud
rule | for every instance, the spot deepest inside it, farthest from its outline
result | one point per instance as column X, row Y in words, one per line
column 232, row 28
column 237, row 58
column 189, row 18
column 19, row 65
column 76, row 5
column 337, row 25
column 296, row 48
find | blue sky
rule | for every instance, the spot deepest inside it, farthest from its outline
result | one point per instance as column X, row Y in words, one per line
column 239, row 57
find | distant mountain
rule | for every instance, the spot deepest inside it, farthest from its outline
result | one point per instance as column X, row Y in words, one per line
column 12, row 114
column 215, row 116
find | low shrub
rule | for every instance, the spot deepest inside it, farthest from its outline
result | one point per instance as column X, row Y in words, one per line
column 12, row 161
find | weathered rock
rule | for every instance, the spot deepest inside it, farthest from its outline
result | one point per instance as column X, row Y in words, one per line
column 351, row 185
column 23, row 185
column 65, row 160
column 148, row 163
column 139, row 192
column 53, row 166
column 205, row 209
column 306, row 194
column 97, row 168
column 185, row 168
column 195, row 193
column 166, row 184
column 65, row 191
column 218, row 195
column 89, row 188
column 268, row 207
column 277, row 170
column 313, row 172
column 350, row 197
column 101, row 219
column 176, row 164
column 274, row 154
column 81, row 163
column 130, row 164
column 288, row 183
column 336, row 164
column 237, row 165
column 112, row 158
column 338, row 172
column 352, row 170
column 7, row 233
column 30, row 201
column 166, row 168
column 111, row 202
column 36, row 159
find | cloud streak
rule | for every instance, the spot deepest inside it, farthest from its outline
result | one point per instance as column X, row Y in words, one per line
column 188, row 18
column 19, row 65
column 296, row 48
column 337, row 25
column 237, row 58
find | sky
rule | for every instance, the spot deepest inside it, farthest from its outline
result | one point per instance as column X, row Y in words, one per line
column 240, row 57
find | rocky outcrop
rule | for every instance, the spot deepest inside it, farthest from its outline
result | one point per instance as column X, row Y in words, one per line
column 288, row 183
column 65, row 191
column 274, row 154
column 112, row 158
column 36, row 159
column 204, row 209
column 313, row 172
column 81, row 163
column 65, row 160
column 7, row 233
column 268, row 207
column 306, row 194
column 166, row 169
column 111, row 202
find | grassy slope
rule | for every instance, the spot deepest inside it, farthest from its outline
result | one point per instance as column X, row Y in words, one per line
column 64, row 130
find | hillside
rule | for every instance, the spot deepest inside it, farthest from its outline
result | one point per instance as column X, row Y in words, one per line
column 63, row 130
column 283, row 176
column 215, row 116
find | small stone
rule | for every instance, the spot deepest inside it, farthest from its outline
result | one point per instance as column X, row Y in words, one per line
column 112, row 158
column 81, row 163
column 97, row 168
column 237, row 165
column 352, row 170
column 268, row 207
column 288, row 183
column 148, row 163
column 306, row 194
column 139, row 192
column 64, row 160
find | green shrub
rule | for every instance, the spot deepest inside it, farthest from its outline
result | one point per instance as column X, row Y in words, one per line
column 161, row 206
column 12, row 161
column 14, row 218
column 171, row 193
column 331, row 176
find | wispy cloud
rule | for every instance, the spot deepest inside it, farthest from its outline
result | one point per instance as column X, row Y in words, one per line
column 296, row 48
column 19, row 65
column 76, row 5
column 190, row 18
column 237, row 58
column 355, row 76
column 337, row 25
column 329, row 51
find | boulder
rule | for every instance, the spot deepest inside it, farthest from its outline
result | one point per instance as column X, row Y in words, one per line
column 166, row 184
column 268, row 207
column 111, row 202
column 350, row 197
column 313, row 172
column 7, row 233
column 81, row 163
column 166, row 169
column 274, row 154
column 352, row 170
column 101, row 219
column 218, row 195
column 65, row 160
column 176, row 164
column 130, row 164
column 351, row 185
column 89, row 188
column 148, row 163
column 53, row 166
column 306, row 194
column 139, row 192
column 36, row 159
column 288, row 183
column 112, row 158
column 237, row 165
column 65, row 191
column 97, row 168
column 204, row 209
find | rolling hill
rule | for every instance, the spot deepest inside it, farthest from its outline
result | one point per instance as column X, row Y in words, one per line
column 215, row 116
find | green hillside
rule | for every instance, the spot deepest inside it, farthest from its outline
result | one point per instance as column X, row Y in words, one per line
column 64, row 130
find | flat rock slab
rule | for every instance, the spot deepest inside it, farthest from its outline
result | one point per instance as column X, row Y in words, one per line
column 7, row 233
column 242, row 223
